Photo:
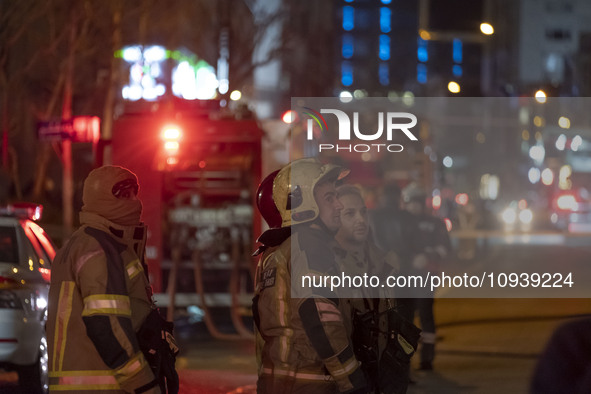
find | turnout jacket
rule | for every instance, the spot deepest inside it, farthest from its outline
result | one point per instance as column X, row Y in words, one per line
column 98, row 299
column 360, row 301
column 301, row 335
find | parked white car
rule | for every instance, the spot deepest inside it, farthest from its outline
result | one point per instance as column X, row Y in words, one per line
column 26, row 253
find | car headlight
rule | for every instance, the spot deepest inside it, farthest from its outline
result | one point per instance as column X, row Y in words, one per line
column 526, row 216
column 509, row 216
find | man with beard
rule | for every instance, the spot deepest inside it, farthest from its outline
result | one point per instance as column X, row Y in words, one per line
column 371, row 319
column 302, row 342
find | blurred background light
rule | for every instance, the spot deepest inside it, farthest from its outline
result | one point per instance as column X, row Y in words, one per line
column 453, row 87
column 564, row 122
column 576, row 143
column 235, row 95
column 547, row 177
column 534, row 175
column 561, row 142
column 540, row 96
column 448, row 161
column 486, row 28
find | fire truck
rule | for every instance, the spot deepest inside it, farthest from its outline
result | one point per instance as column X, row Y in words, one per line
column 198, row 168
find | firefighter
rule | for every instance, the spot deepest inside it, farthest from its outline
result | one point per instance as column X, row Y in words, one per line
column 565, row 364
column 265, row 204
column 390, row 226
column 302, row 342
column 431, row 246
column 99, row 296
column 373, row 322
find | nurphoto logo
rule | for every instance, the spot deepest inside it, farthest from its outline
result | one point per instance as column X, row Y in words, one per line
column 394, row 122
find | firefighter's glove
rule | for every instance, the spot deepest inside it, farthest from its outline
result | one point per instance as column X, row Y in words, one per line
column 160, row 349
column 395, row 360
column 404, row 335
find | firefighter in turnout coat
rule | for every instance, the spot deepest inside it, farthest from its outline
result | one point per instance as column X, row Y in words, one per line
column 99, row 294
column 302, row 342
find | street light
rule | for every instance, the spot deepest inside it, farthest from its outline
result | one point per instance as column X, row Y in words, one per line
column 540, row 96
column 453, row 87
column 235, row 95
column 486, row 28
column 564, row 122
column 289, row 116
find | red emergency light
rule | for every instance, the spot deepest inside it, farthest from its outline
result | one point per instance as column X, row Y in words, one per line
column 86, row 128
column 171, row 134
column 462, row 199
column 436, row 202
column 23, row 209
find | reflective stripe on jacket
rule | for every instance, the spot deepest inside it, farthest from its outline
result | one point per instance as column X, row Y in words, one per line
column 301, row 333
column 97, row 302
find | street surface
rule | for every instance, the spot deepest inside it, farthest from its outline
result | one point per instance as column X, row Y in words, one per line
column 484, row 345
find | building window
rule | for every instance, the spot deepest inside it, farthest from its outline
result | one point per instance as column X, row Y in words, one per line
column 421, row 73
column 385, row 20
column 384, row 74
column 384, row 49
column 422, row 51
column 457, row 52
column 348, row 47
column 346, row 73
column 348, row 18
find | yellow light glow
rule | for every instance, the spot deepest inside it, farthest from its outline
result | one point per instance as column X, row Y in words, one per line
column 525, row 135
column 540, row 96
column 487, row 28
column 424, row 34
column 481, row 138
column 538, row 121
column 235, row 95
column 171, row 133
column 564, row 183
column 289, row 117
column 547, row 177
column 564, row 122
column 453, row 87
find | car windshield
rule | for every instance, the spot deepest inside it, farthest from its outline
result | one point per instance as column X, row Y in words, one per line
column 8, row 246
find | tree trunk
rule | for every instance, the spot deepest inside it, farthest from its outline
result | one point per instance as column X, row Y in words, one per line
column 45, row 153
column 107, row 122
column 67, row 178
